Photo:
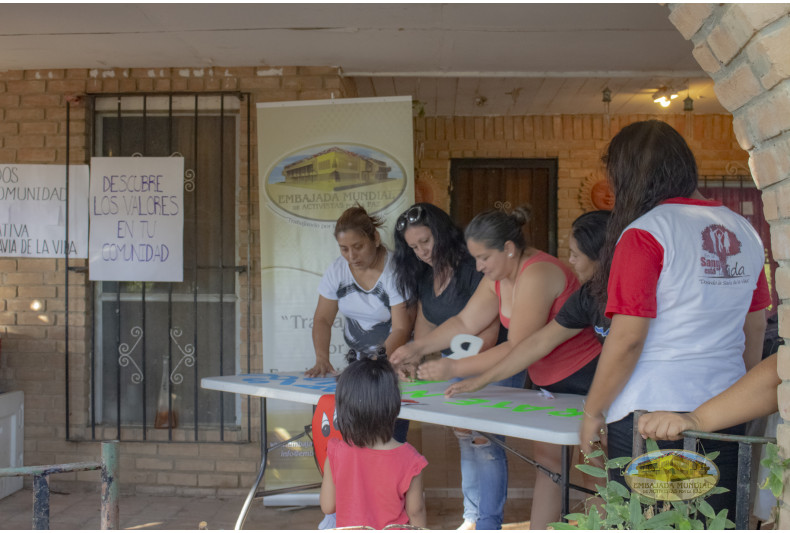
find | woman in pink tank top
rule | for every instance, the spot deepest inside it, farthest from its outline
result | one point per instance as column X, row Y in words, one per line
column 526, row 288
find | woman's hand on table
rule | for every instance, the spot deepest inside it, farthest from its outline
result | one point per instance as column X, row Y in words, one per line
column 665, row 425
column 407, row 353
column 592, row 436
column 438, row 370
column 467, row 385
column 321, row 369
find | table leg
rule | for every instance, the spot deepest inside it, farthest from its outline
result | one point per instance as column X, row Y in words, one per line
column 565, row 482
column 264, row 451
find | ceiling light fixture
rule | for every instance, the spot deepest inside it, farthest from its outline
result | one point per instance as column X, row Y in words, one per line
column 664, row 96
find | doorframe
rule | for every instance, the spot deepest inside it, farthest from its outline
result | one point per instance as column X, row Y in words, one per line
column 549, row 164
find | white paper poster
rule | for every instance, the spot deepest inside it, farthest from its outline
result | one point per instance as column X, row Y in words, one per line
column 136, row 207
column 33, row 211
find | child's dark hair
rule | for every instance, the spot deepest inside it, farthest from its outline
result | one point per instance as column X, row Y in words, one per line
column 367, row 402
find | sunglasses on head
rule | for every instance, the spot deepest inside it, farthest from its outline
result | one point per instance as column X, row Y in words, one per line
column 412, row 215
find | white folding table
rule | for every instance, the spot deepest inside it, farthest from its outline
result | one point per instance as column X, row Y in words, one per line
column 524, row 414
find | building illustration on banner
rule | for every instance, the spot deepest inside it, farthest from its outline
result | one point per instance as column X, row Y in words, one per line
column 320, row 182
column 336, row 169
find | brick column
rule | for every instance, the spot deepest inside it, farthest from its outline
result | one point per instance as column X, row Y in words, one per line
column 745, row 48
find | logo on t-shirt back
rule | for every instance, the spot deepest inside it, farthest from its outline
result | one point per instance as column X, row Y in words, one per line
column 719, row 247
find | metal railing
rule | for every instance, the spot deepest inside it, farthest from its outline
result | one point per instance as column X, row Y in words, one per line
column 109, row 485
column 745, row 443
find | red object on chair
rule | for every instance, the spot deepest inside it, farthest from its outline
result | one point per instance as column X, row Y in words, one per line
column 324, row 428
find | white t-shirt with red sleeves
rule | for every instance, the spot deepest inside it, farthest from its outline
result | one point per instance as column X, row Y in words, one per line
column 696, row 269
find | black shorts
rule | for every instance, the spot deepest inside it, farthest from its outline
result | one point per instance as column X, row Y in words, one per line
column 577, row 383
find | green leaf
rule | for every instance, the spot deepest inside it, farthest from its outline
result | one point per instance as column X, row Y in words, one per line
column 697, row 524
column 644, row 500
column 705, row 508
column 595, row 519
column 712, row 455
column 662, row 520
column 563, row 525
column 618, row 462
column 719, row 520
column 619, row 489
column 651, row 446
column 681, row 506
column 717, row 490
column 684, row 523
column 575, row 516
column 775, row 484
column 635, row 515
column 592, row 470
column 594, row 453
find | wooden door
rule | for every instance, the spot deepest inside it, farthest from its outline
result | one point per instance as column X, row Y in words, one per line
column 480, row 184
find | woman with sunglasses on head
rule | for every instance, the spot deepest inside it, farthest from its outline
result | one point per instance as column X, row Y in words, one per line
column 360, row 284
column 525, row 288
column 435, row 270
column 683, row 281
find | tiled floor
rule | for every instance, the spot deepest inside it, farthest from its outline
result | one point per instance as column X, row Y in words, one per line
column 81, row 510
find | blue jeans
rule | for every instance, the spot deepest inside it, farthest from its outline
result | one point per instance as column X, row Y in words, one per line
column 484, row 473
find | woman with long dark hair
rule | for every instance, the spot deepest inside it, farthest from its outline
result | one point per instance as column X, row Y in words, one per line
column 682, row 279
column 434, row 268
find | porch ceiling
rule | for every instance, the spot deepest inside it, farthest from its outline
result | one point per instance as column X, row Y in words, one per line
column 456, row 59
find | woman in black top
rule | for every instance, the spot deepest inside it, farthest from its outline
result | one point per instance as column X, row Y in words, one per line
column 435, row 272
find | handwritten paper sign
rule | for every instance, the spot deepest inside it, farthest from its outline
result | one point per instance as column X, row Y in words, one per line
column 33, row 211
column 137, row 219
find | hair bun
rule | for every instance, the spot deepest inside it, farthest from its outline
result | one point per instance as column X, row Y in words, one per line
column 522, row 214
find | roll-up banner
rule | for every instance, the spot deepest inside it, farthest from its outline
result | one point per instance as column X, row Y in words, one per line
column 316, row 159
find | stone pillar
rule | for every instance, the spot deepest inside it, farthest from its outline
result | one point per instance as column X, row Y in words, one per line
column 745, row 48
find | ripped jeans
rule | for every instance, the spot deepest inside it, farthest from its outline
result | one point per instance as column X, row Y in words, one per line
column 484, row 472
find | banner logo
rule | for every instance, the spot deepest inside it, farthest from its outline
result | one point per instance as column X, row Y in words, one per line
column 320, row 182
column 671, row 475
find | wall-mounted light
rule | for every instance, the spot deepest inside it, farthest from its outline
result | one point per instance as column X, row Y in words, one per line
column 607, row 95
column 664, row 96
column 688, row 104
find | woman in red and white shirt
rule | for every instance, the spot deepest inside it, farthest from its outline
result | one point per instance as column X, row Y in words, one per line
column 682, row 279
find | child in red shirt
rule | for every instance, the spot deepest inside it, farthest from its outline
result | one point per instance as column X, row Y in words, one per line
column 370, row 479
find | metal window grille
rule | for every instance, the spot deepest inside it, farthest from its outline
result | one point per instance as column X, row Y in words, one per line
column 154, row 341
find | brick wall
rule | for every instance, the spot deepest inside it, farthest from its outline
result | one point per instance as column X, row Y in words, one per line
column 745, row 49
column 576, row 141
column 33, row 130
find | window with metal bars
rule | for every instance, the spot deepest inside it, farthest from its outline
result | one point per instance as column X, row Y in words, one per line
column 153, row 341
